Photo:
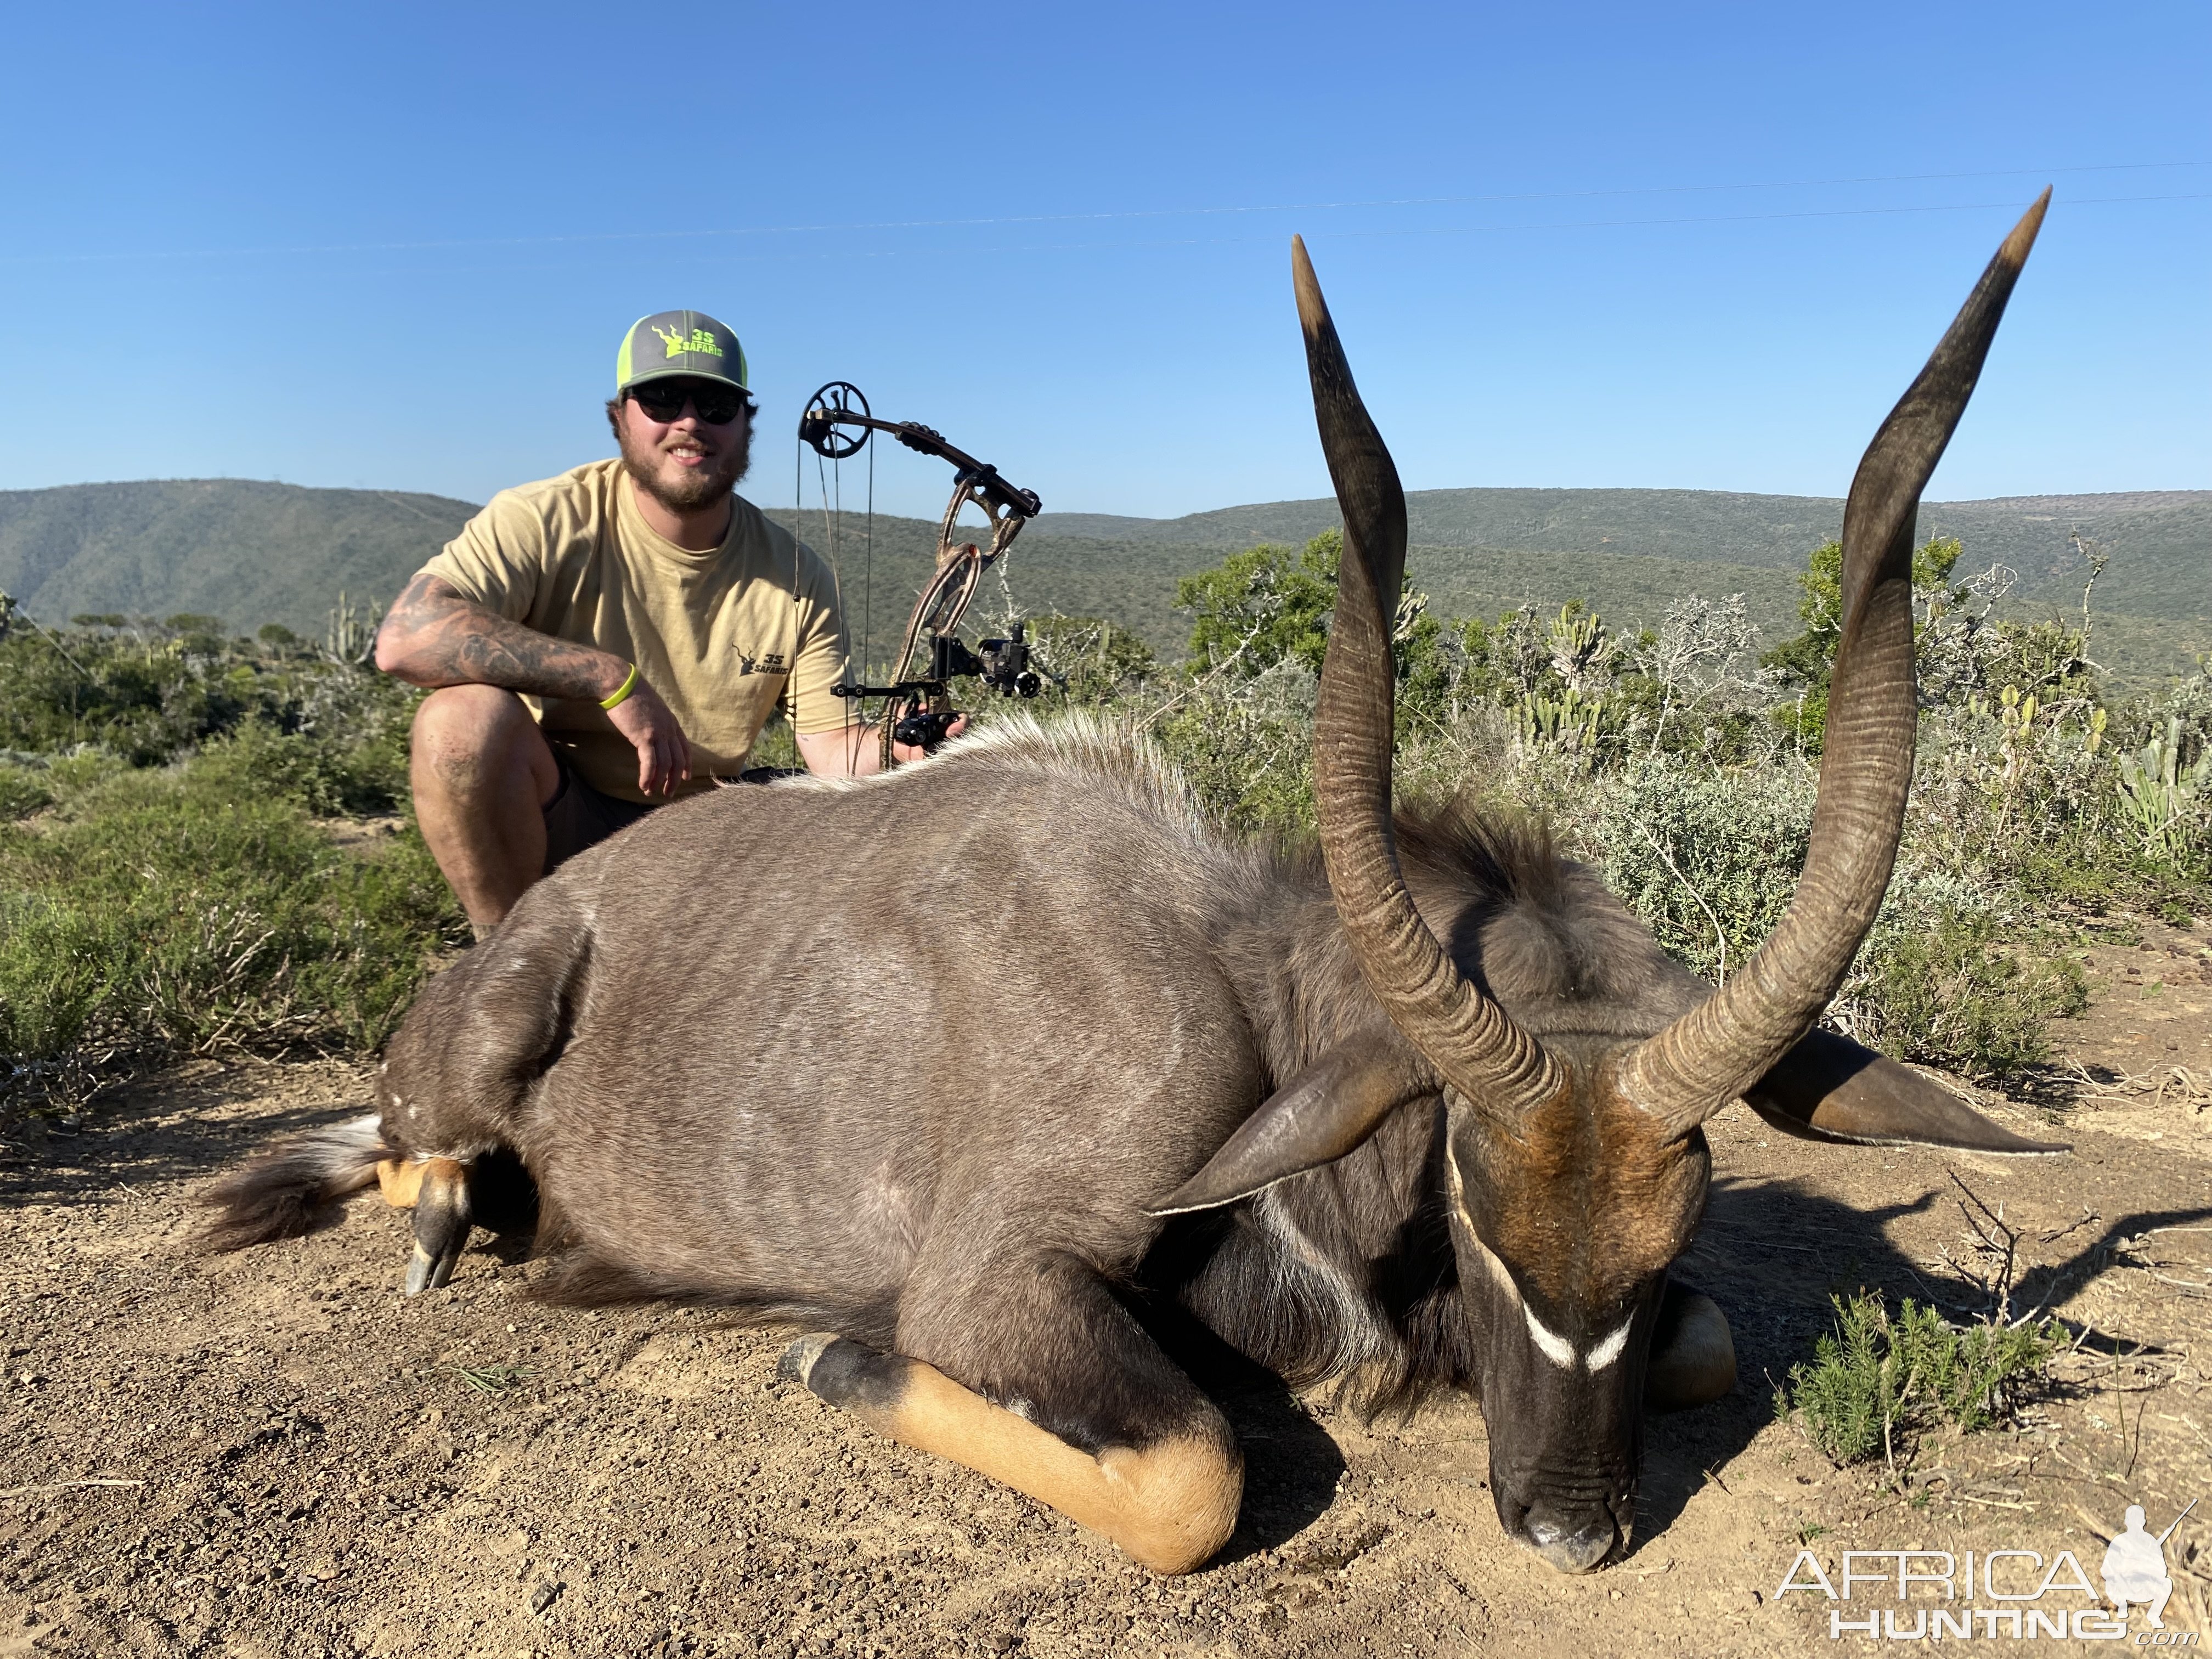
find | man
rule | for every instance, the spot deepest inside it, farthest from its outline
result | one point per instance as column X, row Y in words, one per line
column 603, row 641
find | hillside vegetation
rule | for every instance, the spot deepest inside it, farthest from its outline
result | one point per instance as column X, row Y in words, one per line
column 178, row 873
column 252, row 553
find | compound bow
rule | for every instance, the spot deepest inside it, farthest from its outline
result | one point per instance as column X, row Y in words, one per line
column 918, row 706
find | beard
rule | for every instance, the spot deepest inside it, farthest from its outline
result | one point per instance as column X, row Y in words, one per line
column 687, row 488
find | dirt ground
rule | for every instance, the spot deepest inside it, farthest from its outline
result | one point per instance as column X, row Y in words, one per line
column 274, row 1454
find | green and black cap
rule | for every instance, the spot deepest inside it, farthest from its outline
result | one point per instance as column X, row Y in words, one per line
column 672, row 342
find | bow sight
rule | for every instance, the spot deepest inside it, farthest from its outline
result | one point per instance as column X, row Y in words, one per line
column 918, row 707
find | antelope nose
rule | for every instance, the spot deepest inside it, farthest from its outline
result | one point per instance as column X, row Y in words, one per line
column 1566, row 1544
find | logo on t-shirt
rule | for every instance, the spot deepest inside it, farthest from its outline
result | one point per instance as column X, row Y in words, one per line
column 771, row 664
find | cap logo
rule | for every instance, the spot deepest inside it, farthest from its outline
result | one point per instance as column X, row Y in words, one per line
column 701, row 341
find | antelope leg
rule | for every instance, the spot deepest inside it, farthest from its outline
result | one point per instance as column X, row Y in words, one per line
column 1170, row 1504
column 1692, row 1355
column 502, row 1196
column 400, row 1180
column 442, row 1220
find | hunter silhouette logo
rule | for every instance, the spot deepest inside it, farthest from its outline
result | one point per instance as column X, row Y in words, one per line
column 2135, row 1566
column 700, row 340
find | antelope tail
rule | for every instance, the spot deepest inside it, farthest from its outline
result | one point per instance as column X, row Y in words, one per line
column 282, row 1193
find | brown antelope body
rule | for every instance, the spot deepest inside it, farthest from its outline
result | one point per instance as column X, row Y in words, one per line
column 972, row 1067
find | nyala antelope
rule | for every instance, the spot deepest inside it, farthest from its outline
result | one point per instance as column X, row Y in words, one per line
column 1420, row 1108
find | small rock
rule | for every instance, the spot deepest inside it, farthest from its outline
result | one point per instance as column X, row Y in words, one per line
column 545, row 1596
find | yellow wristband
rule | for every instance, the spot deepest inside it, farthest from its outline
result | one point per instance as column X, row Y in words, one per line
column 628, row 685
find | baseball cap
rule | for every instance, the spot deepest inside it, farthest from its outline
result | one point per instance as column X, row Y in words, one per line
column 670, row 342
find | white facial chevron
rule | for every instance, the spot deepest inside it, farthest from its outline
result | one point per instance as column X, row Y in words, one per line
column 1554, row 1346
column 1609, row 1346
column 1549, row 1343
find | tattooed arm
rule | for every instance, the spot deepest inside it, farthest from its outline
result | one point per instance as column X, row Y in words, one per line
column 434, row 637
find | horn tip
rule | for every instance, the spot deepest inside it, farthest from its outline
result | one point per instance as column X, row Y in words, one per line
column 1313, row 310
column 2014, row 251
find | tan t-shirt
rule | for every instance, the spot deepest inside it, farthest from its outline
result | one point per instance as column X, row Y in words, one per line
column 720, row 636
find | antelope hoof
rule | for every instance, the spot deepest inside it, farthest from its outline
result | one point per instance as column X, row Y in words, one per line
column 441, row 1223
column 797, row 1364
column 1692, row 1356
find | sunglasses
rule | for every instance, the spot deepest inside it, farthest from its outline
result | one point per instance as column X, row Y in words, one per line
column 716, row 405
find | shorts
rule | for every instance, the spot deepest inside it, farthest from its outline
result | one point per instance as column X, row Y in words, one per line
column 579, row 816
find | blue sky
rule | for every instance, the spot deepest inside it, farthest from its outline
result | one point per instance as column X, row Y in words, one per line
column 1702, row 246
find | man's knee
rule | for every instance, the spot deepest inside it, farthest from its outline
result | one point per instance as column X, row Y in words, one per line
column 469, row 736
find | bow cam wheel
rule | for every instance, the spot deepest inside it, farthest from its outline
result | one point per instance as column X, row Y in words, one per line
column 826, row 411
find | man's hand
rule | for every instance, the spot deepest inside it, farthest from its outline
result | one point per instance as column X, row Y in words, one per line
column 903, row 752
column 664, row 758
column 856, row 751
column 433, row 636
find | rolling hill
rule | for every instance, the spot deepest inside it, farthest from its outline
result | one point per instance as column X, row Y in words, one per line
column 254, row 552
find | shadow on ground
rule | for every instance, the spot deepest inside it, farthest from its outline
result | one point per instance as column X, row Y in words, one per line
column 150, row 1136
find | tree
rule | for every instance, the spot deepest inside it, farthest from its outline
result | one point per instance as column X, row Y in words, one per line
column 1806, row 663
column 1262, row 606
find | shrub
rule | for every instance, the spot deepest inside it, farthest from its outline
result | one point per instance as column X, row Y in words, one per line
column 1709, row 860
column 329, row 778
column 1876, row 1380
column 151, row 693
column 1246, row 745
column 1263, row 606
column 1937, row 983
column 1091, row 660
column 23, row 788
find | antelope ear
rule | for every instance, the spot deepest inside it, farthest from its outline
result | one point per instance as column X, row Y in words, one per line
column 1316, row 1118
column 1828, row 1088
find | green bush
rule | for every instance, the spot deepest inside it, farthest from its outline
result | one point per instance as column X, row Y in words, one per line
column 23, row 789
column 1263, row 606
column 150, row 695
column 158, row 913
column 1246, row 745
column 1876, row 1383
column 1705, row 857
column 330, row 779
column 1939, row 984
column 1092, row 661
